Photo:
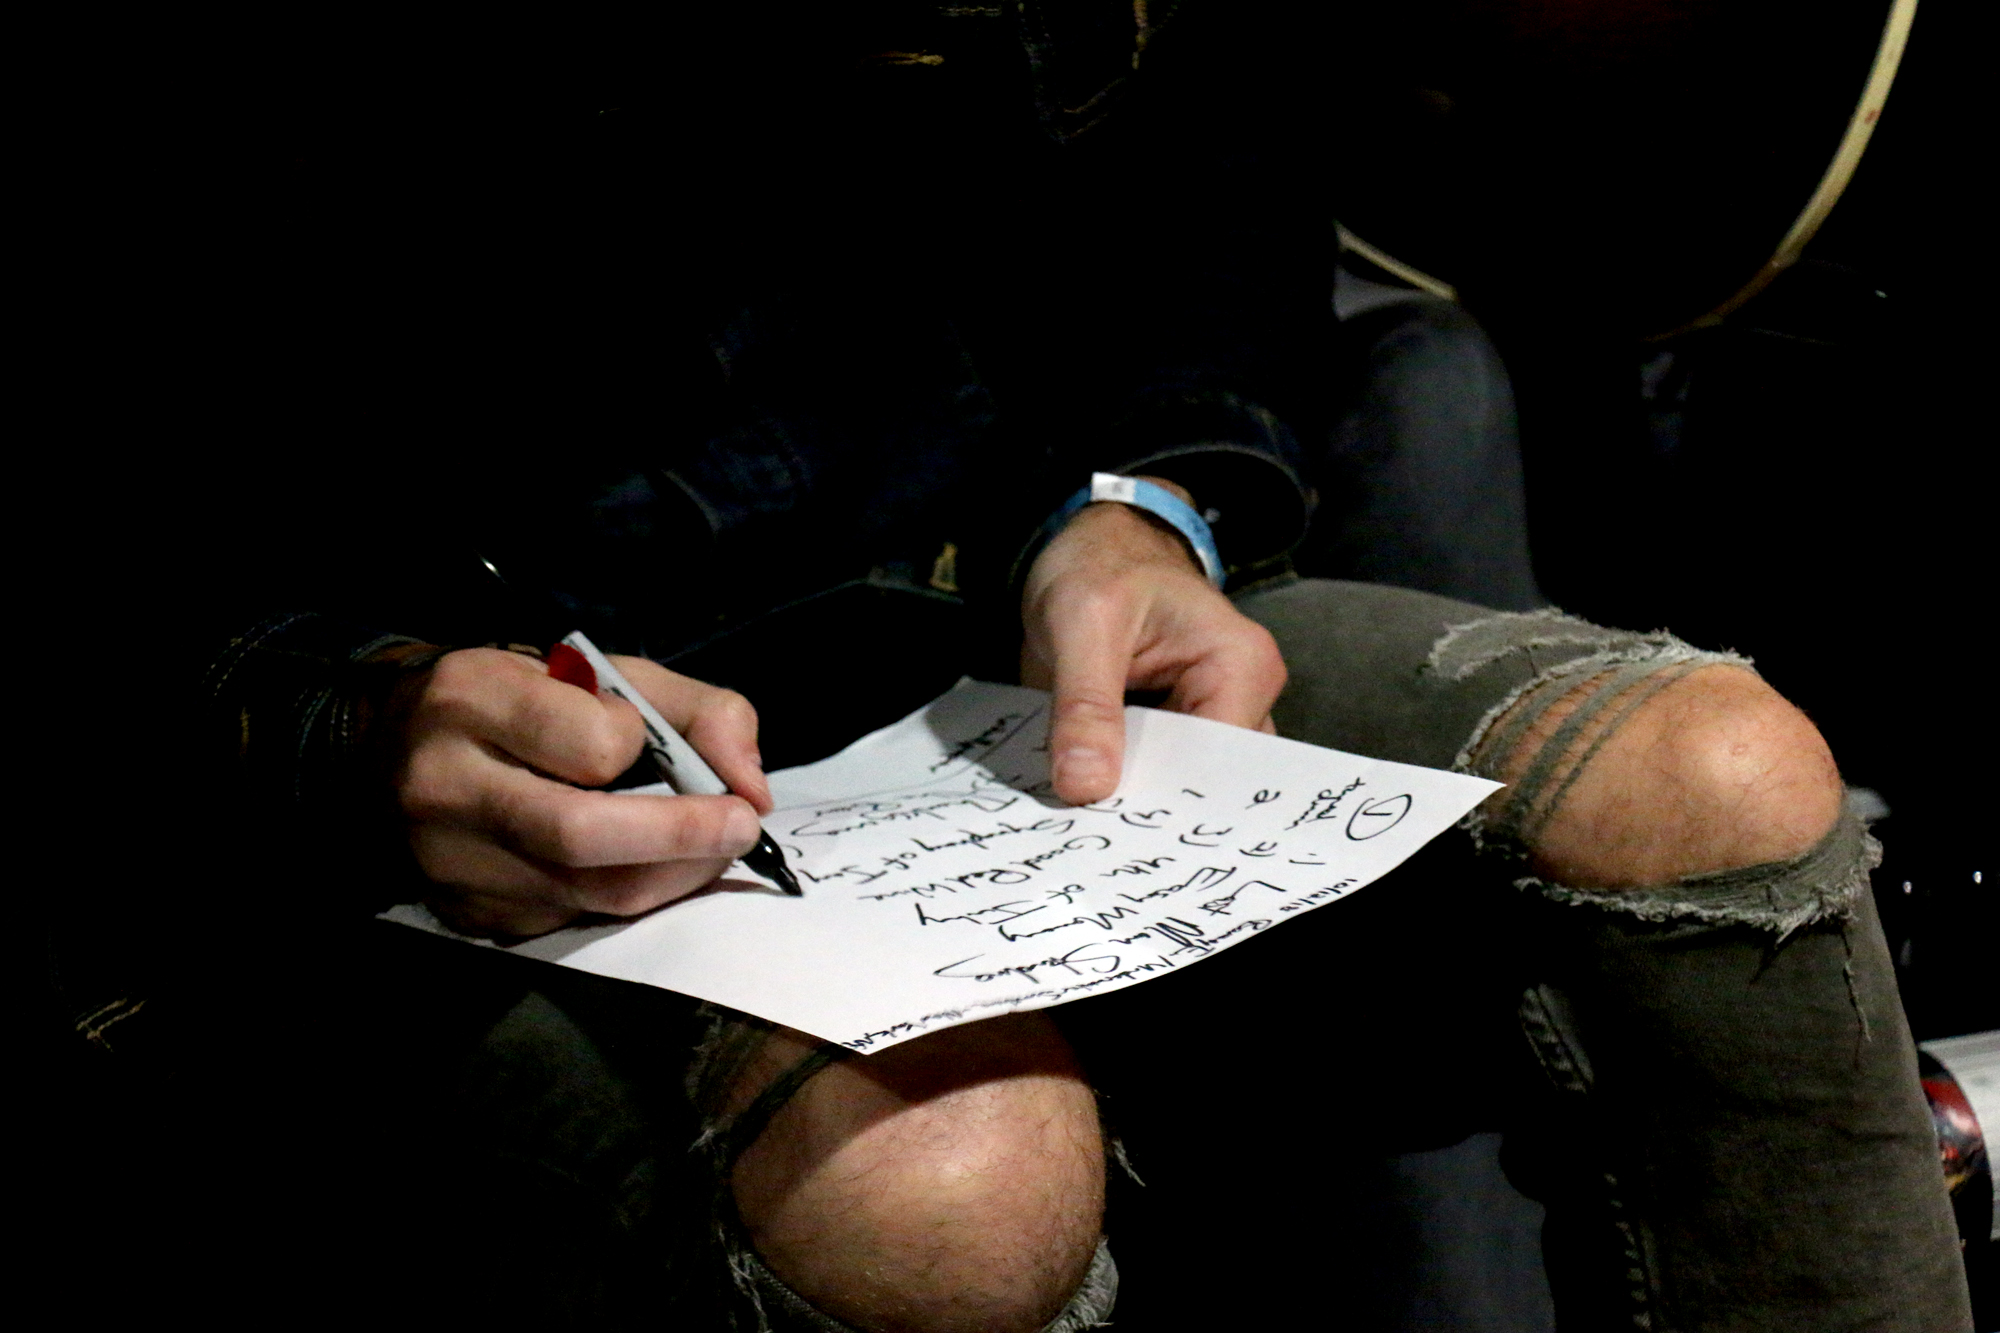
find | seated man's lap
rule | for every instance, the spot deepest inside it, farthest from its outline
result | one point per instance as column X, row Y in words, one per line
column 509, row 1117
column 662, row 1157
column 1382, row 1024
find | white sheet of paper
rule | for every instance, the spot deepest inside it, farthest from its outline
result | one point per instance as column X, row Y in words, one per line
column 945, row 884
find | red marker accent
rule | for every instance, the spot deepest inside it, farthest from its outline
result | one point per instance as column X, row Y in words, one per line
column 571, row 667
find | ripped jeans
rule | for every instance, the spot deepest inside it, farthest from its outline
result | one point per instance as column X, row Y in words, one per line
column 1710, row 1086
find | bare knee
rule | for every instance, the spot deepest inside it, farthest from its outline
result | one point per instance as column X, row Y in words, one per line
column 1715, row 770
column 953, row 1182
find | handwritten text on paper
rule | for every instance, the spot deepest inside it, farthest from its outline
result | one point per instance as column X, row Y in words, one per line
column 945, row 883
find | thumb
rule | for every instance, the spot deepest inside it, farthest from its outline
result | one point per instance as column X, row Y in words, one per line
column 1087, row 732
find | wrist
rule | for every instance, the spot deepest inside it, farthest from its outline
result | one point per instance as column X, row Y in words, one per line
column 1134, row 531
column 1156, row 506
column 1166, row 538
column 1170, row 508
column 1105, row 543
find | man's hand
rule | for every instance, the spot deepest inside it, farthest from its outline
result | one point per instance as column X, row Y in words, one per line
column 490, row 745
column 1115, row 603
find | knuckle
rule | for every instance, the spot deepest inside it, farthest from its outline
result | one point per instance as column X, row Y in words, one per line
column 428, row 785
column 1272, row 658
column 573, row 834
column 1255, row 637
column 1259, row 648
column 1121, row 590
column 457, row 675
column 1096, row 602
column 600, row 754
column 701, row 830
column 731, row 709
column 460, row 686
column 1088, row 707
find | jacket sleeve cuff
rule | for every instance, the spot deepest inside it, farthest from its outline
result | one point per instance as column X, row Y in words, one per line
column 1253, row 503
column 284, row 715
column 1237, row 460
column 288, row 699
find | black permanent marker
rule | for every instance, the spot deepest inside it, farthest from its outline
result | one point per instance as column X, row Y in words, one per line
column 680, row 766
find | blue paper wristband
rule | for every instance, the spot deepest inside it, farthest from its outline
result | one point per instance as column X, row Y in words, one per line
column 1156, row 500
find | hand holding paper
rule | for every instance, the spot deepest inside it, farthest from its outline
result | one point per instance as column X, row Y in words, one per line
column 1116, row 602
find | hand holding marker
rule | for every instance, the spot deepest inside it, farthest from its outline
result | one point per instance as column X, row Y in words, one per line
column 576, row 661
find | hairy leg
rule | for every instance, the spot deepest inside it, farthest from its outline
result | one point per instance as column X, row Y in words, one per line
column 1710, row 771
column 955, row 1182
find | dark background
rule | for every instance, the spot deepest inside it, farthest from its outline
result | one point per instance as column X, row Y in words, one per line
column 1804, row 485
column 1810, row 485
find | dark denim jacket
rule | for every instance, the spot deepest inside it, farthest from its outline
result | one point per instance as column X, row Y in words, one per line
column 869, row 309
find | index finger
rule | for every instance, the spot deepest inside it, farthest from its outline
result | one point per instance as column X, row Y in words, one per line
column 563, row 826
column 510, row 701
column 719, row 723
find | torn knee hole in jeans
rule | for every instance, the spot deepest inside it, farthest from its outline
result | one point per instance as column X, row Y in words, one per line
column 727, row 1053
column 1779, row 896
column 1615, row 673
column 731, row 1120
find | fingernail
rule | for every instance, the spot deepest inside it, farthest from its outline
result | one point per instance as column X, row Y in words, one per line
column 1081, row 765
